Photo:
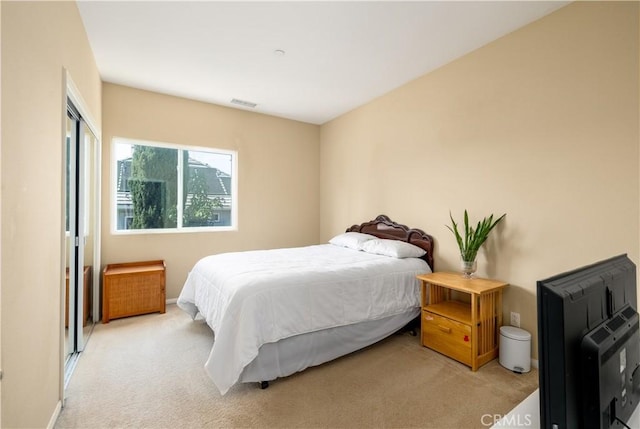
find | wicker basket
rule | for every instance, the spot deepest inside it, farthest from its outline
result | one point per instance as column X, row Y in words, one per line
column 133, row 288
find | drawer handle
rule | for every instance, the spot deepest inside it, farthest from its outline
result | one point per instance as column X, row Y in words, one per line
column 444, row 329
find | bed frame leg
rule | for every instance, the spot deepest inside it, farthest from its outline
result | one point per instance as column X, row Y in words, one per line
column 413, row 327
column 264, row 384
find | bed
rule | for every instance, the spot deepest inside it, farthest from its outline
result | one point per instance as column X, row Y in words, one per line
column 277, row 312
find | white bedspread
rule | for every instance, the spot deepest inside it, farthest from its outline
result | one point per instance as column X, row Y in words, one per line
column 258, row 297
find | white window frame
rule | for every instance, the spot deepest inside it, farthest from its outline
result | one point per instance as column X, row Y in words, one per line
column 180, row 148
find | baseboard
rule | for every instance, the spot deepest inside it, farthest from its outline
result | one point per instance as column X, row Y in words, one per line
column 172, row 300
column 54, row 417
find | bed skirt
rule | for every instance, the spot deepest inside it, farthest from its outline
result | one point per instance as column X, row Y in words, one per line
column 299, row 352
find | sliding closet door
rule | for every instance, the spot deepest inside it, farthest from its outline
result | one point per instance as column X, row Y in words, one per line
column 90, row 271
column 81, row 223
column 70, row 232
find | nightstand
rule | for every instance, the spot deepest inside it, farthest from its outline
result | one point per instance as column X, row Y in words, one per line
column 461, row 317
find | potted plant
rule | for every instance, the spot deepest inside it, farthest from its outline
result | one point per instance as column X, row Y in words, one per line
column 473, row 238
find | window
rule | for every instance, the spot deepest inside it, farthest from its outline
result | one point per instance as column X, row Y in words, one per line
column 163, row 187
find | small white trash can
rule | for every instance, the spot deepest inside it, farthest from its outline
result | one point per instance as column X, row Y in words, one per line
column 515, row 349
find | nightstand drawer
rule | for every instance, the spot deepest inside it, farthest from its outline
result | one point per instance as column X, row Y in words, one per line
column 447, row 336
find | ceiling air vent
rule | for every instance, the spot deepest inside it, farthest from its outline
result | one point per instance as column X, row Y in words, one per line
column 244, row 103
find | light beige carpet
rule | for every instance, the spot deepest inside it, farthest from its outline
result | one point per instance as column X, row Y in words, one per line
column 148, row 372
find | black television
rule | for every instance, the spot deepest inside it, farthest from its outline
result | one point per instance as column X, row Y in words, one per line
column 589, row 346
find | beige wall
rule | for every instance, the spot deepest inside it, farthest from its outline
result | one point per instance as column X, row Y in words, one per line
column 278, row 182
column 38, row 41
column 541, row 124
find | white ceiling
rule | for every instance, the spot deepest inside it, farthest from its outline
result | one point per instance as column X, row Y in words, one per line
column 338, row 55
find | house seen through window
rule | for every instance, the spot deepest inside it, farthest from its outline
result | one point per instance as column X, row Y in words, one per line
column 170, row 187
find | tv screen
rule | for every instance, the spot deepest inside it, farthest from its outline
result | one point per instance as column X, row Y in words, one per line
column 589, row 346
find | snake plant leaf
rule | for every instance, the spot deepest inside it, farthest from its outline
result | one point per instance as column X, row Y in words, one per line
column 455, row 231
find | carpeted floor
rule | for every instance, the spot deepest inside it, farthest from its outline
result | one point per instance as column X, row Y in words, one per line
column 148, row 372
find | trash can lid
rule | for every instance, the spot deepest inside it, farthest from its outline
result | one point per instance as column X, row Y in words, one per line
column 515, row 333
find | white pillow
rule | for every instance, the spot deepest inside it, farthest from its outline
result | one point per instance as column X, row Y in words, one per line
column 351, row 240
column 393, row 248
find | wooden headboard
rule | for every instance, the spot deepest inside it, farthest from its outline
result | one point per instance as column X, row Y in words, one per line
column 383, row 227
